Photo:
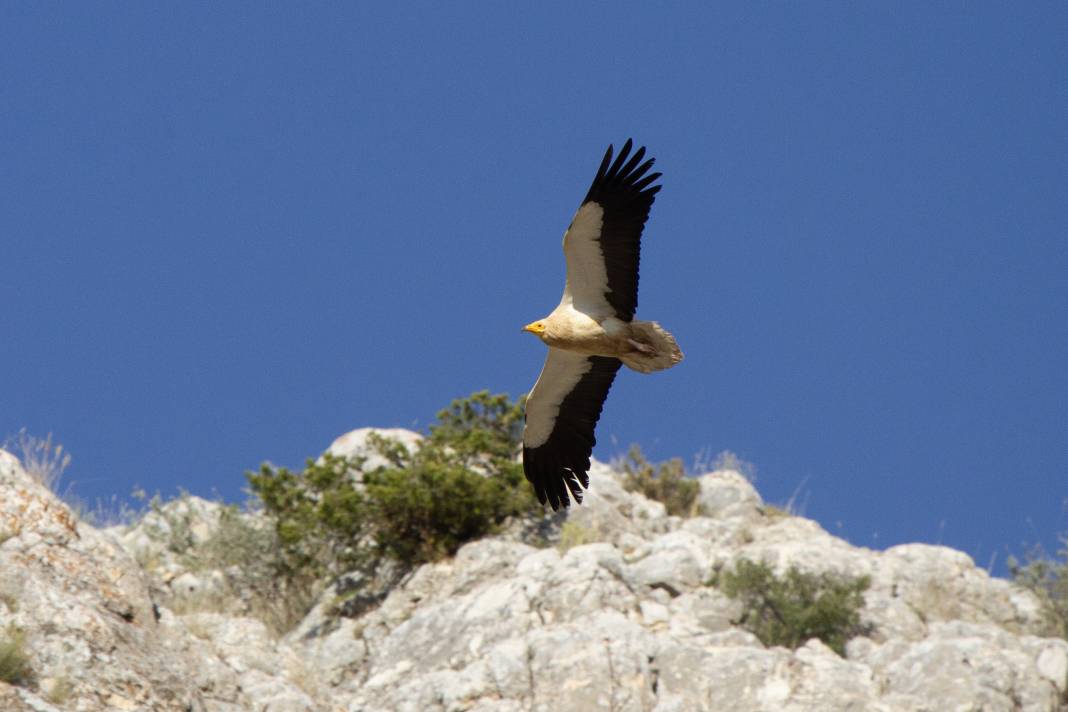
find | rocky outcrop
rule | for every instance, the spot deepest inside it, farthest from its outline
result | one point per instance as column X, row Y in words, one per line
column 624, row 620
column 96, row 640
column 92, row 633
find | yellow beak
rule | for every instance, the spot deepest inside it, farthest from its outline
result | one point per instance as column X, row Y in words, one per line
column 533, row 328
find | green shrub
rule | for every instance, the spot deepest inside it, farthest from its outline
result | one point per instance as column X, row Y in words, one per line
column 1047, row 577
column 319, row 515
column 793, row 608
column 666, row 482
column 481, row 426
column 14, row 664
column 461, row 483
column 428, row 508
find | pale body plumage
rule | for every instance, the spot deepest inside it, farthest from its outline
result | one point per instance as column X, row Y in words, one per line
column 592, row 331
column 570, row 329
column 585, row 322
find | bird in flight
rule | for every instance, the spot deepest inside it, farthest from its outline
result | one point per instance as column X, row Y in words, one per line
column 592, row 332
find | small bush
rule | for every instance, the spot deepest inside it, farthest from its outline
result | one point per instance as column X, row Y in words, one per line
column 460, row 484
column 481, row 427
column 314, row 530
column 791, row 609
column 428, row 508
column 14, row 664
column 319, row 515
column 1047, row 577
column 666, row 482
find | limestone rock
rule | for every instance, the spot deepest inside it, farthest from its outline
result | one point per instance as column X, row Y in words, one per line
column 354, row 444
column 608, row 606
column 83, row 605
column 726, row 494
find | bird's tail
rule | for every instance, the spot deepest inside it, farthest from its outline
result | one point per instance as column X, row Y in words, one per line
column 652, row 347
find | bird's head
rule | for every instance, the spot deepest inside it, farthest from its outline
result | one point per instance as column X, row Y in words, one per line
column 537, row 328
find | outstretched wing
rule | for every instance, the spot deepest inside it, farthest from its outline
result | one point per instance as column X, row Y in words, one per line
column 562, row 412
column 603, row 243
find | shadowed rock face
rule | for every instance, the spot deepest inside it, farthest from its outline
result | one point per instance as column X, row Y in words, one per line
column 624, row 623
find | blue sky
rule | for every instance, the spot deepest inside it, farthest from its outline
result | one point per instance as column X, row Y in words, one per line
column 230, row 233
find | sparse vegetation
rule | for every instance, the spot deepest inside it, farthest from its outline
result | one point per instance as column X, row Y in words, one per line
column 45, row 461
column 306, row 528
column 14, row 663
column 42, row 459
column 109, row 512
column 790, row 609
column 261, row 576
column 704, row 461
column 1047, row 577
column 665, row 482
column 175, row 523
column 9, row 601
column 774, row 511
column 573, row 534
column 59, row 690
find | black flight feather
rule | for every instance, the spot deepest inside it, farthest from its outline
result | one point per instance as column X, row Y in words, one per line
column 560, row 464
column 625, row 193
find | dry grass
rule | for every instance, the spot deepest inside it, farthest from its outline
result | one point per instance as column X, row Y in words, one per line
column 9, row 601
column 14, row 663
column 573, row 534
column 59, row 691
column 1046, row 575
column 42, row 459
column 665, row 482
column 704, row 462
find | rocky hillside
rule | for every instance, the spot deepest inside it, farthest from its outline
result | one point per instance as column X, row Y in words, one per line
column 608, row 608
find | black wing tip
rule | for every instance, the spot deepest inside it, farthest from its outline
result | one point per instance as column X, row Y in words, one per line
column 552, row 482
column 623, row 175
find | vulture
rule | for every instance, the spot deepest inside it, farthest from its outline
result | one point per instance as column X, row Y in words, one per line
column 592, row 332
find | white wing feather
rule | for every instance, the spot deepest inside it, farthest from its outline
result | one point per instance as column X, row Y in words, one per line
column 587, row 277
column 561, row 373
